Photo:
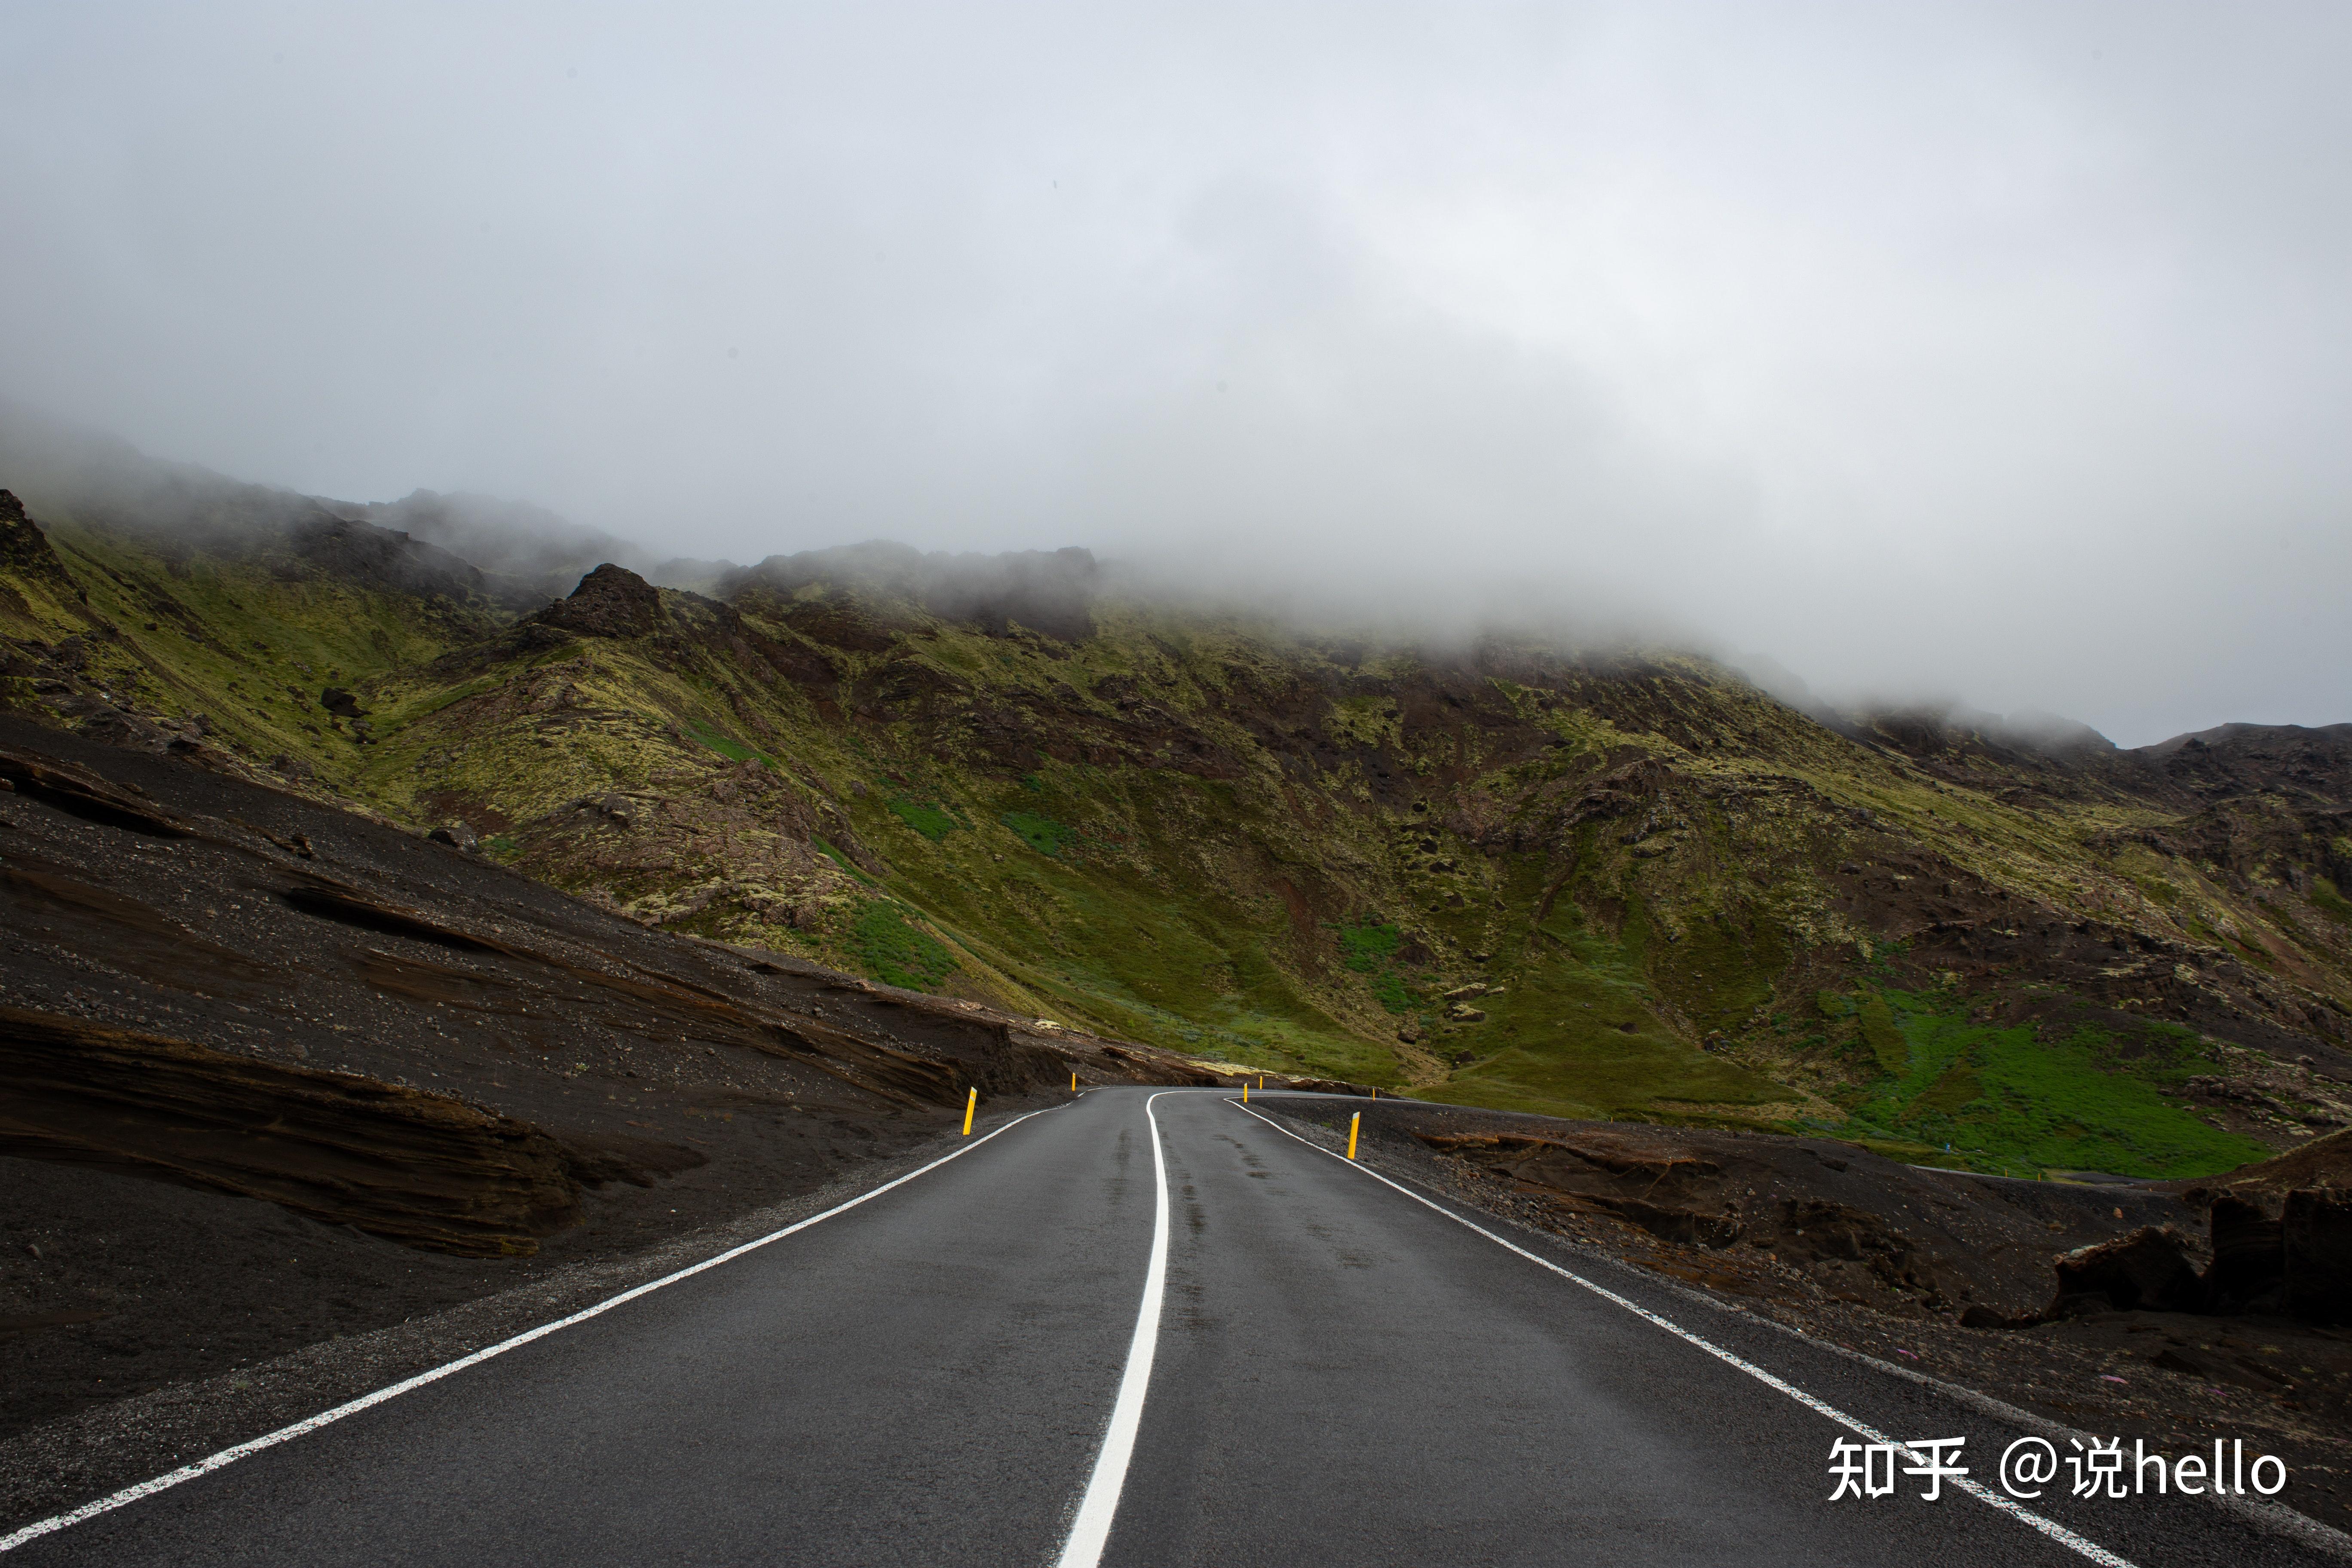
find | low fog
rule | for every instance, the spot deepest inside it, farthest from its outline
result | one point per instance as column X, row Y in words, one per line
column 1995, row 352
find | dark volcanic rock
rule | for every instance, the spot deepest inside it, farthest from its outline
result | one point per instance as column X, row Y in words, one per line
column 2317, row 1230
column 2301, row 1259
column 22, row 542
column 25, row 550
column 611, row 602
column 2249, row 1251
column 383, row 559
column 2235, row 760
column 2145, row 1270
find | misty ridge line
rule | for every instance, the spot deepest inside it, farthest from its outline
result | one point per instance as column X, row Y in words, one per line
column 522, row 557
column 1992, row 352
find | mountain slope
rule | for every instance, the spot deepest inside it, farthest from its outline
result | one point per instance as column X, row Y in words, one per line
column 1617, row 882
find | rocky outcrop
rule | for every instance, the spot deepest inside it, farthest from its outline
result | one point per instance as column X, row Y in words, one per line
column 2249, row 1253
column 383, row 559
column 2315, row 1255
column 611, row 602
column 2234, row 761
column 25, row 549
column 2148, row 1270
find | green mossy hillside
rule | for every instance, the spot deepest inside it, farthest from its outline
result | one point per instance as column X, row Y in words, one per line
column 1621, row 883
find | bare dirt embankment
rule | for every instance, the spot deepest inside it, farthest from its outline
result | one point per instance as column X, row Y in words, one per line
column 273, row 1074
column 1952, row 1275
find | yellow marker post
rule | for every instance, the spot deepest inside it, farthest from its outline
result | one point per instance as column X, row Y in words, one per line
column 973, row 1104
column 1074, row 1083
column 1355, row 1124
column 1244, row 1091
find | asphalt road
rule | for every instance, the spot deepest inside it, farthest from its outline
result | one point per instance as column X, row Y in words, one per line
column 1341, row 1373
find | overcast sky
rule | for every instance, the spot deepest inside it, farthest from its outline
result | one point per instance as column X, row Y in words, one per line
column 1996, row 352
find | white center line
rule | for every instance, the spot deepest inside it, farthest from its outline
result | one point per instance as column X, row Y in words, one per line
column 1091, row 1531
column 287, row 1434
column 2048, row 1527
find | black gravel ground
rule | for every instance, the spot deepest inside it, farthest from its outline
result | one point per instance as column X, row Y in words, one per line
column 114, row 1284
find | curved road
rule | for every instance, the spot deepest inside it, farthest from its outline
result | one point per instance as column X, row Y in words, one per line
column 1340, row 1372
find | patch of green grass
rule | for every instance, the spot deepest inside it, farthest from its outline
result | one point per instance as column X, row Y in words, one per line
column 896, row 952
column 925, row 818
column 732, row 750
column 1368, row 946
column 2330, row 902
column 1721, row 970
column 1041, row 834
column 2005, row 1098
column 1572, row 1026
column 1584, row 1075
column 1886, row 1042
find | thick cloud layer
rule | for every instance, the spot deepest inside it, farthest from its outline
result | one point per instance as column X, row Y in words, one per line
column 1996, row 352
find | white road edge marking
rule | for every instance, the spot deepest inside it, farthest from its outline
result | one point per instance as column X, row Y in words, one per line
column 1984, row 1494
column 287, row 1434
column 1091, row 1530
